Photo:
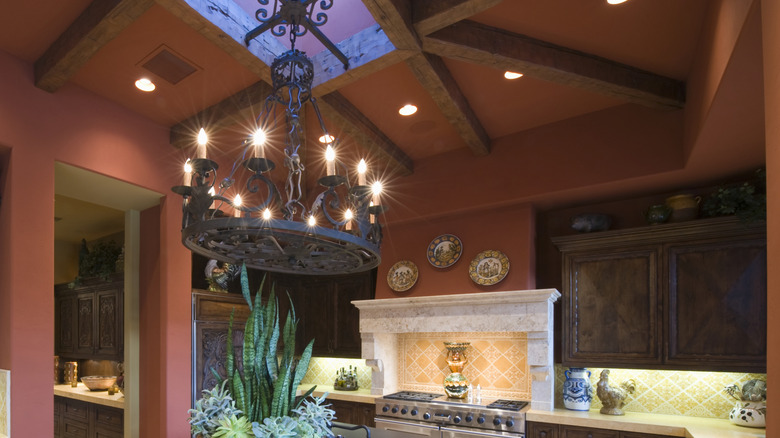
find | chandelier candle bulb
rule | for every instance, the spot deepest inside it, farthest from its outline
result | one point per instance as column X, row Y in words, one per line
column 330, row 161
column 362, row 169
column 258, row 140
column 237, row 203
column 187, row 173
column 202, row 140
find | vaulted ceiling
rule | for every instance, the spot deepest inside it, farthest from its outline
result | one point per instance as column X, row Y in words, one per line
column 445, row 56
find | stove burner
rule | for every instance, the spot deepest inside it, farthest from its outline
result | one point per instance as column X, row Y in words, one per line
column 508, row 405
column 412, row 395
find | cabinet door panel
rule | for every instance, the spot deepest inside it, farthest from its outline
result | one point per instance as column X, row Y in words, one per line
column 347, row 328
column 717, row 303
column 109, row 322
column 541, row 430
column 65, row 322
column 85, row 328
column 72, row 429
column 612, row 312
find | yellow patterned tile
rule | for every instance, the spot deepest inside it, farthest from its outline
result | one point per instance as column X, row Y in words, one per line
column 496, row 361
column 690, row 393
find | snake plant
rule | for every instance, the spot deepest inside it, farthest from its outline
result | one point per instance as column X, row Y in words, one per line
column 266, row 384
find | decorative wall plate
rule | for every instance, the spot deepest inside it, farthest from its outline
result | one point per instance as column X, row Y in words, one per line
column 402, row 276
column 489, row 267
column 444, row 251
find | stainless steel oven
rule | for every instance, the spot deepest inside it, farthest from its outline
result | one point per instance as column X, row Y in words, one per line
column 435, row 415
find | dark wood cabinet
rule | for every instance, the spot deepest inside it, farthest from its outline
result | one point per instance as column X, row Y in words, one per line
column 322, row 306
column 549, row 430
column 689, row 295
column 80, row 419
column 89, row 319
column 353, row 412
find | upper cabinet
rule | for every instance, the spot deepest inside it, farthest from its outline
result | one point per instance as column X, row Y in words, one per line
column 89, row 319
column 688, row 295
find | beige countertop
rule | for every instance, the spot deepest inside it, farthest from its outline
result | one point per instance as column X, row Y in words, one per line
column 362, row 395
column 673, row 425
column 83, row 393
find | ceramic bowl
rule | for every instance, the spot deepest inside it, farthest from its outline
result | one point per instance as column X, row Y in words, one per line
column 98, row 383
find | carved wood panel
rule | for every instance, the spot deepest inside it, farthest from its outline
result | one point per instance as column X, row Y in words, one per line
column 84, row 326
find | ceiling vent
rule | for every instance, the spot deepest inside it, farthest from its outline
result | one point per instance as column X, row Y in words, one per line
column 168, row 65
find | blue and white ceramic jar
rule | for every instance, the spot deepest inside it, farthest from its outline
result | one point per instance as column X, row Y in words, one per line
column 576, row 389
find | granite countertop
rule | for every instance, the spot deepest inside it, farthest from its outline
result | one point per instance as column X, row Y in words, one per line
column 362, row 395
column 83, row 393
column 672, row 425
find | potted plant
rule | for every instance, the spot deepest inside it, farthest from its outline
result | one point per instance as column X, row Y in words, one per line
column 746, row 200
column 258, row 399
column 750, row 409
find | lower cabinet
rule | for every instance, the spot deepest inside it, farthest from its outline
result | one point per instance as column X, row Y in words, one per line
column 548, row 430
column 353, row 412
column 79, row 419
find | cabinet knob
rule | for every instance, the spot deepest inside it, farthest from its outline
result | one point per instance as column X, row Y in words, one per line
column 590, row 434
column 543, row 434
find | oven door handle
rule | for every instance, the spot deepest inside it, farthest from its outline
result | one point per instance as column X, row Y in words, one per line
column 473, row 432
column 403, row 426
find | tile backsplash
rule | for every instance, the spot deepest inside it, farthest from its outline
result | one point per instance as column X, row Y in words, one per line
column 690, row 393
column 496, row 361
column 322, row 371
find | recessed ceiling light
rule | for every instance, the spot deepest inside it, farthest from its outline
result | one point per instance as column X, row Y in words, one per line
column 512, row 75
column 407, row 110
column 616, row 2
column 144, row 84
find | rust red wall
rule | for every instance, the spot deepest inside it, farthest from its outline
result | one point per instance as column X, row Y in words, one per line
column 77, row 128
column 506, row 229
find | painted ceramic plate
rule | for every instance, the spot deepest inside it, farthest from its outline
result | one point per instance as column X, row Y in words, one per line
column 402, row 276
column 489, row 267
column 444, row 251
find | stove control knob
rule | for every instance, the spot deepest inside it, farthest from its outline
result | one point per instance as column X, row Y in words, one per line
column 481, row 420
column 404, row 411
column 469, row 418
column 385, row 408
column 456, row 420
column 510, row 422
column 395, row 409
column 414, row 411
column 426, row 416
column 497, row 421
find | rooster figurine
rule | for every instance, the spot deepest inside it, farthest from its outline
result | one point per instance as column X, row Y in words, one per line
column 612, row 398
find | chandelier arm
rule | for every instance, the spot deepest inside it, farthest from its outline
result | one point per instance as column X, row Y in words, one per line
column 267, row 24
column 308, row 24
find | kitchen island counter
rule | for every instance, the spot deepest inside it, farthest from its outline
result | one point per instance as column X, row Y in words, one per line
column 671, row 425
column 83, row 393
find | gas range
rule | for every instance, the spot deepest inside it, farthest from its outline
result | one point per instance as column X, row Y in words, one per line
column 500, row 416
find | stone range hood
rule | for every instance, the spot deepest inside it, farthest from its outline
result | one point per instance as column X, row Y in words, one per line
column 528, row 311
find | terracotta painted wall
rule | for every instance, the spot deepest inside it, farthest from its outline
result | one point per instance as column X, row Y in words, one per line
column 771, row 35
column 507, row 229
column 77, row 128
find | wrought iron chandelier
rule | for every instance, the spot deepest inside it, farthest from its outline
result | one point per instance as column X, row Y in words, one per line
column 274, row 234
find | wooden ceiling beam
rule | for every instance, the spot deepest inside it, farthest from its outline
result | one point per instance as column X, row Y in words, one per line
column 239, row 107
column 395, row 18
column 368, row 51
column 432, row 15
column 337, row 109
column 100, row 22
column 476, row 43
column 438, row 81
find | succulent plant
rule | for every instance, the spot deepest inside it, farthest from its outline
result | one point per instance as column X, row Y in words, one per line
column 233, row 427
column 214, row 405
